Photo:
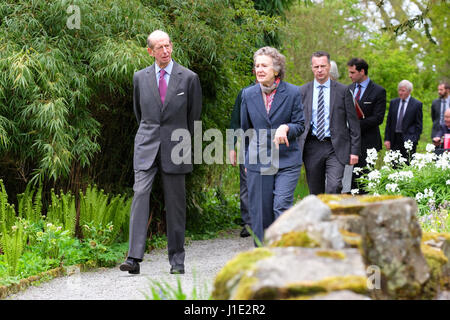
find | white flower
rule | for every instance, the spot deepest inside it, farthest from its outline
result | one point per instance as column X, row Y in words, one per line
column 354, row 191
column 447, row 182
column 428, row 193
column 372, row 185
column 374, row 175
column 392, row 187
column 419, row 196
column 408, row 145
column 430, row 147
column 372, row 156
column 357, row 170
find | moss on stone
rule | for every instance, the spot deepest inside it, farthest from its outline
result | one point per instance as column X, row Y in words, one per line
column 435, row 259
column 237, row 266
column 296, row 239
column 354, row 240
column 346, row 204
column 426, row 236
column 357, row 284
column 333, row 254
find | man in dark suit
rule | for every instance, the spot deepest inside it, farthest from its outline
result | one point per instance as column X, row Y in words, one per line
column 332, row 134
column 235, row 124
column 404, row 121
column 372, row 99
column 438, row 107
column 166, row 97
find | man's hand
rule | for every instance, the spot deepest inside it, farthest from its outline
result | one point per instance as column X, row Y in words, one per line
column 436, row 141
column 281, row 136
column 387, row 145
column 353, row 159
column 233, row 157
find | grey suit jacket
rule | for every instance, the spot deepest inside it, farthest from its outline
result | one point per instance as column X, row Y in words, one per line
column 344, row 124
column 182, row 106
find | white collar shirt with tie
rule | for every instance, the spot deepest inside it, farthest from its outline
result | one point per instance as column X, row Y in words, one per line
column 402, row 108
column 326, row 96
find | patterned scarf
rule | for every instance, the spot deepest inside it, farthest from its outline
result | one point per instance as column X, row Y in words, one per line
column 270, row 94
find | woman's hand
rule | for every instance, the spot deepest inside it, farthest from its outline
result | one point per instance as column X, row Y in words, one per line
column 281, row 136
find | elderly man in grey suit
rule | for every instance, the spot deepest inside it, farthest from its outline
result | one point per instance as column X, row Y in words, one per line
column 332, row 134
column 166, row 97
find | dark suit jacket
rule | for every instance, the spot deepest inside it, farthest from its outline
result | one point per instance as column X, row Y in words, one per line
column 443, row 129
column 373, row 104
column 182, row 106
column 412, row 120
column 435, row 116
column 344, row 125
column 286, row 109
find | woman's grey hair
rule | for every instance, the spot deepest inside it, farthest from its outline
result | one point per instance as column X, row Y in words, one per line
column 407, row 84
column 334, row 72
column 279, row 60
column 156, row 34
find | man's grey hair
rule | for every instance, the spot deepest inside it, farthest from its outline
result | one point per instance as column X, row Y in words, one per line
column 334, row 72
column 279, row 60
column 156, row 35
column 407, row 84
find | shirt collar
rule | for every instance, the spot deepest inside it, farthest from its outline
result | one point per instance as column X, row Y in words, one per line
column 327, row 84
column 365, row 83
column 168, row 68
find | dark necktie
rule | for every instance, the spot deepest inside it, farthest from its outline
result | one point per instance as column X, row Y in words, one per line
column 320, row 115
column 358, row 93
column 398, row 127
column 162, row 85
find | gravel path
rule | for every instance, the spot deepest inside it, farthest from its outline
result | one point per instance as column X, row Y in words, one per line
column 204, row 259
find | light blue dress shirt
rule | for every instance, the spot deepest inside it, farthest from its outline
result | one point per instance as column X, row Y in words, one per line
column 326, row 100
column 363, row 85
column 168, row 70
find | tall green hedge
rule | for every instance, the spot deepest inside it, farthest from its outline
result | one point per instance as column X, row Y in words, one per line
column 66, row 116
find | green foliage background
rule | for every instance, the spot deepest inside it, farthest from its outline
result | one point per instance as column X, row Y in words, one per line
column 66, row 117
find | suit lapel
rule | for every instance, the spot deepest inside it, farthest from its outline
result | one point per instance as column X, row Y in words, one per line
column 278, row 100
column 258, row 101
column 151, row 78
column 332, row 99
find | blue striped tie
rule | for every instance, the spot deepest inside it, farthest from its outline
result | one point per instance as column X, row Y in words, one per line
column 320, row 115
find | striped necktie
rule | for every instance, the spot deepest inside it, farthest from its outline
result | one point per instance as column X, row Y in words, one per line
column 358, row 93
column 320, row 115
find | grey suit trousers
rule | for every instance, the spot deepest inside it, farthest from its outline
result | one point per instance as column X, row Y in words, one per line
column 322, row 164
column 175, row 204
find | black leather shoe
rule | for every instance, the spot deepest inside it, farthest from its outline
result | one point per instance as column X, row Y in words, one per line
column 132, row 266
column 177, row 270
column 244, row 232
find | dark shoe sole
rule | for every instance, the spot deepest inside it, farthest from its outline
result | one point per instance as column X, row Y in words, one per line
column 176, row 271
column 131, row 269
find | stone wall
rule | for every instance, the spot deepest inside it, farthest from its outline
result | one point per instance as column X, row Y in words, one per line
column 342, row 247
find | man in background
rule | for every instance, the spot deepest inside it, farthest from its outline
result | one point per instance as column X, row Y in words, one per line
column 438, row 107
column 332, row 135
column 371, row 98
column 404, row 121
